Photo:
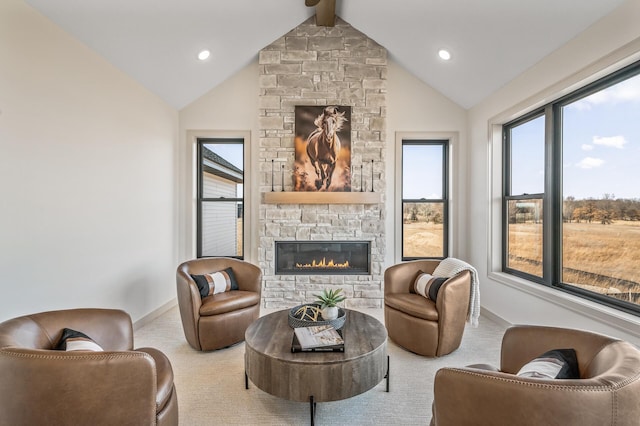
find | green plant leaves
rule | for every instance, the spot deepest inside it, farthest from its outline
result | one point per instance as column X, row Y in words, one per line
column 330, row 297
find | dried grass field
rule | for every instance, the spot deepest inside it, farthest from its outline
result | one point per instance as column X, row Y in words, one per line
column 422, row 239
column 601, row 258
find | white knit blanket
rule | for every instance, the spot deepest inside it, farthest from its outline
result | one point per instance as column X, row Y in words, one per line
column 452, row 266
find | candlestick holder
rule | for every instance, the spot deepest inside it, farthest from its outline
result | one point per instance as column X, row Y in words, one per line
column 371, row 175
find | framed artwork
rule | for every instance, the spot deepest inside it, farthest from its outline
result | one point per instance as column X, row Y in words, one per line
column 322, row 148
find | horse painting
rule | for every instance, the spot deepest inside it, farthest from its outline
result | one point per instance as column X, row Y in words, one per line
column 323, row 146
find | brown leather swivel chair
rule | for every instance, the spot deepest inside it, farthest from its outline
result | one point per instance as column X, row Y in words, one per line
column 120, row 386
column 219, row 320
column 418, row 324
column 607, row 392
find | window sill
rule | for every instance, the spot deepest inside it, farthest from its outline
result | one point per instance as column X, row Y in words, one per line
column 627, row 323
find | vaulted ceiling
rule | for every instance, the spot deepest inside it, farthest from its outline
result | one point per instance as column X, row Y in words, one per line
column 491, row 41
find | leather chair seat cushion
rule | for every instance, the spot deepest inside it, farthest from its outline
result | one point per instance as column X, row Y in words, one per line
column 164, row 374
column 229, row 301
column 412, row 304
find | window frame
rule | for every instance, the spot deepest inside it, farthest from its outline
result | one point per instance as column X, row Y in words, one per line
column 508, row 196
column 445, row 200
column 201, row 200
column 553, row 191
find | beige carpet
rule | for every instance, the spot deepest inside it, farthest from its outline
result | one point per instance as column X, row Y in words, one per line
column 211, row 391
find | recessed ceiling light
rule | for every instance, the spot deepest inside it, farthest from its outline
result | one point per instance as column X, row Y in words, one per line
column 444, row 54
column 204, row 55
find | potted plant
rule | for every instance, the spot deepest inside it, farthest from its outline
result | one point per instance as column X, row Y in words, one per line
column 328, row 301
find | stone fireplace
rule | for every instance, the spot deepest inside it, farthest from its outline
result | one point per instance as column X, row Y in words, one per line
column 321, row 66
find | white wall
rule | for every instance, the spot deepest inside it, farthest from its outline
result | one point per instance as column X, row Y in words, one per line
column 230, row 110
column 608, row 43
column 87, row 161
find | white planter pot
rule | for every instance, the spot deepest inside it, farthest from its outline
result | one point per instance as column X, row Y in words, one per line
column 330, row 313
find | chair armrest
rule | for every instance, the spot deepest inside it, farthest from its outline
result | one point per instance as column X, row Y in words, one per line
column 189, row 302
column 452, row 305
column 470, row 396
column 96, row 388
column 248, row 276
column 522, row 343
column 110, row 328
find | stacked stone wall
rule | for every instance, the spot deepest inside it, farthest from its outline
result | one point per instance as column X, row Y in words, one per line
column 321, row 66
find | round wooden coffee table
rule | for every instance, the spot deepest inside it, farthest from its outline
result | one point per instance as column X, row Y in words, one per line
column 316, row 376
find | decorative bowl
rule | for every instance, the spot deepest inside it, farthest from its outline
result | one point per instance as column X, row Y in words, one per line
column 297, row 322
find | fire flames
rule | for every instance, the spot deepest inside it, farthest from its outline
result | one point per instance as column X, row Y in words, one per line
column 323, row 264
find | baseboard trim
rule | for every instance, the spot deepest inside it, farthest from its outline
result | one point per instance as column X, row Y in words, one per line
column 155, row 314
column 494, row 317
column 173, row 302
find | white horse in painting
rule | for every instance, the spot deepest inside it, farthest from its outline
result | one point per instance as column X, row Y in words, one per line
column 323, row 145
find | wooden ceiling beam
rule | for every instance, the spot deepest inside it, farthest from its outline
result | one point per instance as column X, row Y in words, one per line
column 325, row 12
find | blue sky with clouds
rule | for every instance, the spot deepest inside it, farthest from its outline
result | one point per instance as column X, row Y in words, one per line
column 601, row 146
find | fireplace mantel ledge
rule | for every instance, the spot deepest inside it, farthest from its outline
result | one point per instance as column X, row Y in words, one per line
column 284, row 197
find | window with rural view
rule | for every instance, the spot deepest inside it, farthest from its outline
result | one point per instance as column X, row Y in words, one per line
column 571, row 193
column 424, row 199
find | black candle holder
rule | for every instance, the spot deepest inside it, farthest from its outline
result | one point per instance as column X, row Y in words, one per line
column 272, row 176
column 371, row 175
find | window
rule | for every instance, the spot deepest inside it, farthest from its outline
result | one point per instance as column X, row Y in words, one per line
column 424, row 199
column 220, row 198
column 524, row 193
column 571, row 200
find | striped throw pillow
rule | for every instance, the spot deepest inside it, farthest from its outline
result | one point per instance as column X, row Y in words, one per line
column 554, row 364
column 216, row 282
column 72, row 340
column 427, row 285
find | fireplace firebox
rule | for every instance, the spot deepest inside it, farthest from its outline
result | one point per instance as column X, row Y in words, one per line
column 323, row 257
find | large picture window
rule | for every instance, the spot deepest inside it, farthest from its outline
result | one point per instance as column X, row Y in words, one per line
column 424, row 199
column 220, row 198
column 571, row 202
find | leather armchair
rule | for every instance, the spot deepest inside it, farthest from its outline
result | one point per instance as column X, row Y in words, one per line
column 119, row 386
column 607, row 393
column 219, row 320
column 418, row 324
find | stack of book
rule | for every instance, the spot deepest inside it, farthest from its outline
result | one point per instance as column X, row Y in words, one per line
column 317, row 338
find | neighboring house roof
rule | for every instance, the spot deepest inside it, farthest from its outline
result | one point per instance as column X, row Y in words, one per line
column 220, row 167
